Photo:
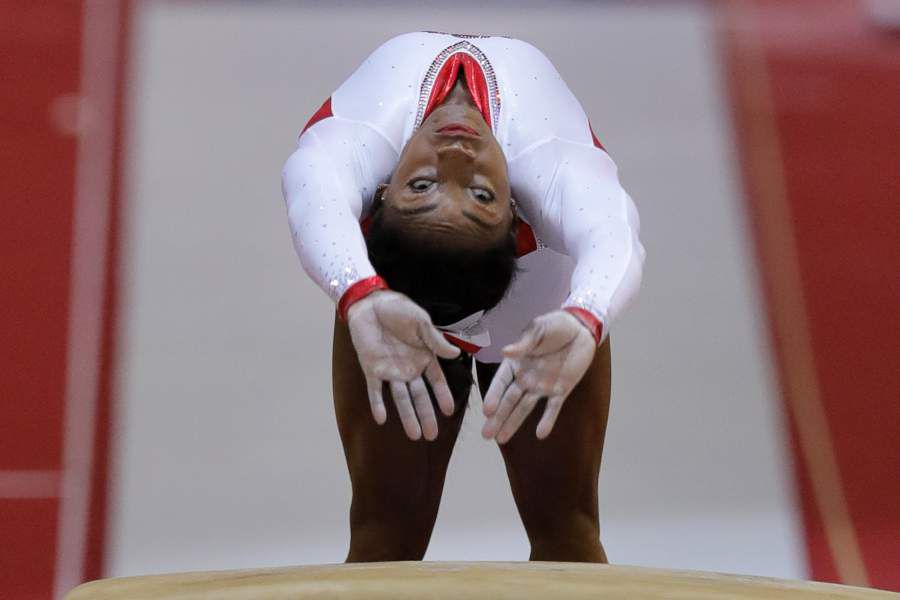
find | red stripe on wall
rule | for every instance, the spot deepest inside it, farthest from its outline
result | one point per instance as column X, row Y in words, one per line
column 52, row 123
column 27, row 554
column 40, row 66
column 831, row 105
column 40, row 69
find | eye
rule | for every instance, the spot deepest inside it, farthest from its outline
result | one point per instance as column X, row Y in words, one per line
column 420, row 185
column 482, row 195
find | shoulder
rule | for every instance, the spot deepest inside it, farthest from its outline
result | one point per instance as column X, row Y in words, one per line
column 516, row 54
column 536, row 103
column 527, row 50
column 382, row 91
column 414, row 45
column 395, row 65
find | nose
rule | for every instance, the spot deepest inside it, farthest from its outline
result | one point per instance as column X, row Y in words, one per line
column 457, row 161
column 457, row 150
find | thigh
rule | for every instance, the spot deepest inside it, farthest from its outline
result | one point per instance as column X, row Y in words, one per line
column 396, row 482
column 555, row 481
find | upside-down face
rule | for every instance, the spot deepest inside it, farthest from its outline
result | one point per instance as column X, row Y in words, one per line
column 451, row 182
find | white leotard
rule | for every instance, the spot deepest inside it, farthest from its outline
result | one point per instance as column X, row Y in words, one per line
column 565, row 185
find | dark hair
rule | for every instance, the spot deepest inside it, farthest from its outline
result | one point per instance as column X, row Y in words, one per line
column 448, row 281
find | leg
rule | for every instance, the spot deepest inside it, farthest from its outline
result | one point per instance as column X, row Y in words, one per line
column 554, row 481
column 396, row 482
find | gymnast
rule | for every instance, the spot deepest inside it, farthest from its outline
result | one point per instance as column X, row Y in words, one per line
column 453, row 201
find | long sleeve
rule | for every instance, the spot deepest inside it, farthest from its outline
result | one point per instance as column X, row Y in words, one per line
column 328, row 184
column 570, row 193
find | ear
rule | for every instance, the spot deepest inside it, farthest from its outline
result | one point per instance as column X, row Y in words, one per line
column 378, row 198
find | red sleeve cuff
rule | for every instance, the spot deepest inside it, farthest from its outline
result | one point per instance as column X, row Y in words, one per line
column 587, row 318
column 358, row 291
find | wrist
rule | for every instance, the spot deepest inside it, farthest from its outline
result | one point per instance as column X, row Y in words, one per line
column 588, row 320
column 357, row 292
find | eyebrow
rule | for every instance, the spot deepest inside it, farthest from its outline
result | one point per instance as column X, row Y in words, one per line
column 410, row 212
column 477, row 221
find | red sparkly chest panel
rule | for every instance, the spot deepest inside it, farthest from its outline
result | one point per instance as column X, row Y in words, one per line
column 446, row 79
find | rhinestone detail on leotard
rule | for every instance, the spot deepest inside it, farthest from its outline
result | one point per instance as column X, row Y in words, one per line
column 340, row 279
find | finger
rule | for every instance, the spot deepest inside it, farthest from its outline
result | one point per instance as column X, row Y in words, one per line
column 422, row 403
column 502, row 378
column 438, row 382
column 510, row 398
column 436, row 341
column 548, row 420
column 526, row 343
column 376, row 402
column 405, row 410
column 517, row 417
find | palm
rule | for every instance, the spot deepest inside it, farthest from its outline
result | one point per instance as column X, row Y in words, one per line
column 554, row 361
column 548, row 362
column 397, row 344
column 400, row 353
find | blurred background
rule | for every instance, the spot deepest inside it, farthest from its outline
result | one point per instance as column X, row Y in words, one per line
column 165, row 397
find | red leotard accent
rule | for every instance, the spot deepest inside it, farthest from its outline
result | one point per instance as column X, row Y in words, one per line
column 462, row 345
column 594, row 137
column 446, row 79
column 358, row 291
column 525, row 240
column 366, row 224
column 323, row 113
column 588, row 319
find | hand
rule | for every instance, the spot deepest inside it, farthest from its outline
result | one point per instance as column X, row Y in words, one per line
column 396, row 344
column 547, row 362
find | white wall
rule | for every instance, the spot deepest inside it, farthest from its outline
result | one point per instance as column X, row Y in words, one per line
column 227, row 453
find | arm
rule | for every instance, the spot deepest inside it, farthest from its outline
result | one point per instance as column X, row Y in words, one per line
column 572, row 196
column 580, row 209
column 328, row 183
column 347, row 149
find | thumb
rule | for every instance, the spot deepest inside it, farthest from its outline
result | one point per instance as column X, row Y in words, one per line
column 436, row 341
column 526, row 344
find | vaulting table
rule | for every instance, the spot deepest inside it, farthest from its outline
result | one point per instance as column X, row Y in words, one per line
column 463, row 581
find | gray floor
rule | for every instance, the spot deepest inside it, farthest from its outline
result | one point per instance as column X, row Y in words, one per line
column 228, row 454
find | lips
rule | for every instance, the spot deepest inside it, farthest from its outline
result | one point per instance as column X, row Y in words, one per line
column 458, row 130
